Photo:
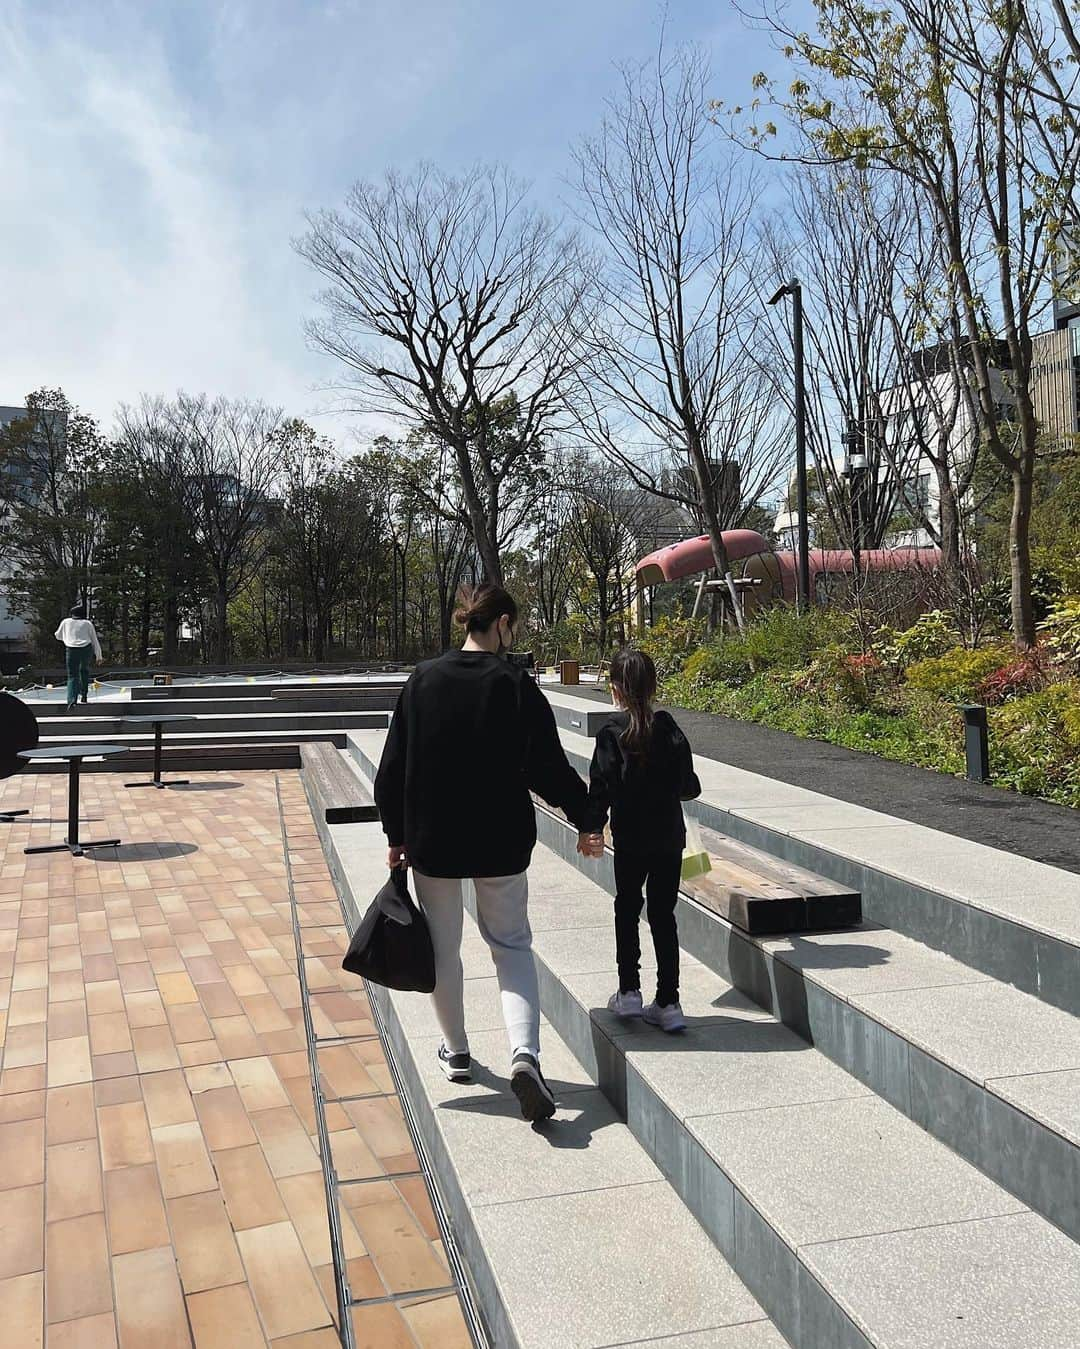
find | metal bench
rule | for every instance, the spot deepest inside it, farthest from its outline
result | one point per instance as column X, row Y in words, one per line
column 334, row 790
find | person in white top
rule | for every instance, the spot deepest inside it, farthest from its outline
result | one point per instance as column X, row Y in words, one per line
column 80, row 638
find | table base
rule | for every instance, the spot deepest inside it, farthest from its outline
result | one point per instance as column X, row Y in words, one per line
column 76, row 849
column 8, row 816
column 160, row 782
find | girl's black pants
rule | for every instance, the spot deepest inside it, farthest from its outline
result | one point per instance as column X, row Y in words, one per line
column 651, row 879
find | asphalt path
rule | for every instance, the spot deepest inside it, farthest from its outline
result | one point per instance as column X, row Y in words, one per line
column 991, row 815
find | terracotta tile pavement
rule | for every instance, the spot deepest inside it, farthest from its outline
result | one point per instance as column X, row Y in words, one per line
column 160, row 1183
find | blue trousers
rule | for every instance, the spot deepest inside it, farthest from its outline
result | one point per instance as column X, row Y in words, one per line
column 78, row 673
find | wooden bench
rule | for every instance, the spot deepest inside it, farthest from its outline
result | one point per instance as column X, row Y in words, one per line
column 333, row 789
column 764, row 895
column 758, row 893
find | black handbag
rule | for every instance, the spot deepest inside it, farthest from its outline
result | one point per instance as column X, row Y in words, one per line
column 392, row 945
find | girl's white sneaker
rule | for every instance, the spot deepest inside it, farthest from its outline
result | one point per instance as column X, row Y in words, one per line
column 625, row 1004
column 668, row 1018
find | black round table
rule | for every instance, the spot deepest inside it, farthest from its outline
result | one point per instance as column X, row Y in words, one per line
column 157, row 722
column 74, row 754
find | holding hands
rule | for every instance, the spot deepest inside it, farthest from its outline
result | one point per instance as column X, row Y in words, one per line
column 590, row 845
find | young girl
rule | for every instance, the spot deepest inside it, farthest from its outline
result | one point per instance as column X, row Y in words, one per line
column 642, row 771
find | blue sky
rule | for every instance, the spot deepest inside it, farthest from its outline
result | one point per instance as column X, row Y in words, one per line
column 156, row 158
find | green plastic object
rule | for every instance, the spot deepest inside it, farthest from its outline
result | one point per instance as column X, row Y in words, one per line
column 695, row 864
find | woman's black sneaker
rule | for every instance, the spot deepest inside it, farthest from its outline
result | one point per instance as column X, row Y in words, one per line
column 457, row 1067
column 528, row 1085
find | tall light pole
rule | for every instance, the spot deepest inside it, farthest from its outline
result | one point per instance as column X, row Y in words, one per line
column 802, row 580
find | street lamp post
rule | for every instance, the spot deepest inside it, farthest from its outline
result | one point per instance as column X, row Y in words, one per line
column 855, row 463
column 794, row 289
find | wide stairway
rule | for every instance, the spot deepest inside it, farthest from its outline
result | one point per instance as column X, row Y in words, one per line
column 866, row 1137
column 220, row 725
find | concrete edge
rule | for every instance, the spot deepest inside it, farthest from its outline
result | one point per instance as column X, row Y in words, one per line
column 1023, row 1155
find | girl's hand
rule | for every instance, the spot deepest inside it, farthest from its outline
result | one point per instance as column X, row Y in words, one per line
column 590, row 845
column 396, row 856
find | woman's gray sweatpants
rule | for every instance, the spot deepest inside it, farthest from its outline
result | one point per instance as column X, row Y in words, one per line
column 501, row 906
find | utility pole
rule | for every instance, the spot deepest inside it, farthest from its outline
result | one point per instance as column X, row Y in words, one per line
column 802, row 591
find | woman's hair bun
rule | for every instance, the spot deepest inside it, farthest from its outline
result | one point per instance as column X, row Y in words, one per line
column 481, row 605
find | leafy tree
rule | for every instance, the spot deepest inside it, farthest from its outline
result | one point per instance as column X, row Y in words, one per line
column 971, row 106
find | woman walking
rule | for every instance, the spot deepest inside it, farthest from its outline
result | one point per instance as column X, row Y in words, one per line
column 79, row 637
column 471, row 735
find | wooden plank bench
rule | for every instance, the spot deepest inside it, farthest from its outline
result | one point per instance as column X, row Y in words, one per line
column 758, row 893
column 764, row 895
column 334, row 790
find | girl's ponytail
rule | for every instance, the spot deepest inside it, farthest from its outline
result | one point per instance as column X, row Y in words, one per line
column 634, row 675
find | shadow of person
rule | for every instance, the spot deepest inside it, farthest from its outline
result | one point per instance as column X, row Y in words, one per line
column 806, row 953
column 759, row 1034
column 582, row 1110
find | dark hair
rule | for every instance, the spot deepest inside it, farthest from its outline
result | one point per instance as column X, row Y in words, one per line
column 77, row 611
column 480, row 606
column 634, row 675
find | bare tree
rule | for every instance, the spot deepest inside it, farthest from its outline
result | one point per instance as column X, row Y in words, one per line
column 152, row 444
column 234, row 459
column 552, row 552
column 321, row 525
column 606, row 519
column 845, row 232
column 953, row 99
column 670, row 363
column 448, row 298
column 50, row 522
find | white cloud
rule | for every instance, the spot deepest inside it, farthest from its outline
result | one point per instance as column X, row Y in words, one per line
column 127, row 258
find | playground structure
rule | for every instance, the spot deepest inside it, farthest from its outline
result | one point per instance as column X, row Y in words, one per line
column 763, row 576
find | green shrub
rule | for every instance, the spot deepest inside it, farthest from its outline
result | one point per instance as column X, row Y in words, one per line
column 957, row 674
column 670, row 641
column 1024, row 673
column 930, row 635
column 1035, row 743
column 719, row 662
column 782, row 639
column 1061, row 629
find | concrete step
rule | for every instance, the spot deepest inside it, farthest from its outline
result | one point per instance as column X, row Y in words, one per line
column 985, row 1068
column 76, row 726
column 571, row 1234
column 246, row 688
column 317, row 701
column 1015, row 920
column 195, row 752
column 990, row 1071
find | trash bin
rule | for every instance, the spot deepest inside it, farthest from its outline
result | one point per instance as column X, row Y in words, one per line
column 569, row 672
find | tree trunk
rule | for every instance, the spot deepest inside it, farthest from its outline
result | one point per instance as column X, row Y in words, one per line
column 171, row 622
column 949, row 519
column 478, row 520
column 707, row 502
column 221, row 615
column 144, row 620
column 1023, row 615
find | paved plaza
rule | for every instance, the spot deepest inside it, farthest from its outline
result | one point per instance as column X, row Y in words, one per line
column 161, row 1184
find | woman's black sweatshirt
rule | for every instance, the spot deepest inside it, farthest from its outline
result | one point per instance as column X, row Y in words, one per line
column 471, row 736
column 643, row 793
